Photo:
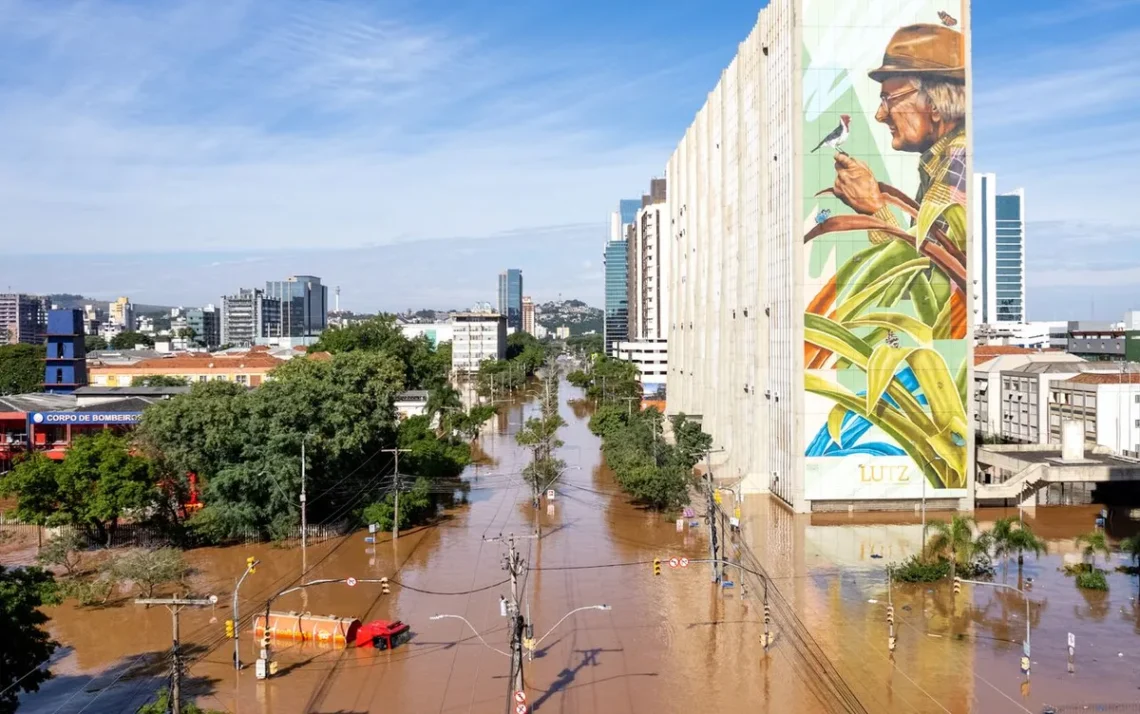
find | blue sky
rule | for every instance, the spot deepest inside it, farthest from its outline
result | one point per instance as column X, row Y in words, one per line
column 175, row 151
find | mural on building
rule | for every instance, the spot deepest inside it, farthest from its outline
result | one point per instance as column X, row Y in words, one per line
column 884, row 223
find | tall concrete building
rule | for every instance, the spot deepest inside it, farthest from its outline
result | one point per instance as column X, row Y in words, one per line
column 122, row 313
column 615, row 327
column 304, row 305
column 477, row 337
column 822, row 341
column 21, row 319
column 511, row 297
column 999, row 252
column 206, row 322
column 649, row 245
column 249, row 316
column 528, row 315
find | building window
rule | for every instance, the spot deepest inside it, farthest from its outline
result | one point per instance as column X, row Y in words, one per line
column 241, row 379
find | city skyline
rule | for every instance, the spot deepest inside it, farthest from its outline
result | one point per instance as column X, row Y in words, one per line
column 1020, row 53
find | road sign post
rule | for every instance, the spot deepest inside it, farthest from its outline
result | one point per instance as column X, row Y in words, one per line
column 673, row 562
column 350, row 582
column 684, row 563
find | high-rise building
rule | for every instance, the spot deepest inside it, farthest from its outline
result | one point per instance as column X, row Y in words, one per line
column 648, row 267
column 122, row 313
column 304, row 305
column 249, row 316
column 821, row 358
column 999, row 252
column 511, row 296
column 615, row 327
column 476, row 338
column 65, row 363
column 21, row 319
column 528, row 315
column 206, row 322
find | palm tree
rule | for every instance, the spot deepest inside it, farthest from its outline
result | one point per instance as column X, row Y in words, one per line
column 955, row 541
column 442, row 399
column 1010, row 535
column 1131, row 546
column 1091, row 544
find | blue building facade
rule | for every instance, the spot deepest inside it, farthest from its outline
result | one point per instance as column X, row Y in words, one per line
column 304, row 305
column 1009, row 253
column 616, row 260
column 65, row 364
column 510, row 297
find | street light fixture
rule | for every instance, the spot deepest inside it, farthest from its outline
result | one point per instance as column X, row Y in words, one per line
column 1025, row 596
column 464, row 619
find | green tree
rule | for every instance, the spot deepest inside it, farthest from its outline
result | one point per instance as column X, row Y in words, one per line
column 161, row 705
column 26, row 644
column 21, row 369
column 159, row 380
column 691, row 444
column 1092, row 544
column 443, row 401
column 955, row 541
column 470, row 424
column 63, row 551
column 579, row 378
column 94, row 342
column 150, row 569
column 96, row 484
column 1011, row 536
column 128, row 340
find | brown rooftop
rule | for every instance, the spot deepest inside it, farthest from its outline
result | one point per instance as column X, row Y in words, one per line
column 1106, row 378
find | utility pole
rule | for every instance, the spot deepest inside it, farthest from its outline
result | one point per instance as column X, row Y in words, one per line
column 175, row 606
column 629, row 404
column 396, row 518
column 233, row 628
column 711, row 515
column 513, row 564
column 304, row 516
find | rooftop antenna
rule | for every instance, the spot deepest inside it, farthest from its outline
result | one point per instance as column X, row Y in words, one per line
column 337, row 309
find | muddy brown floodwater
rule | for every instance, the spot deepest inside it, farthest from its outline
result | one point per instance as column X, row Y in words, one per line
column 674, row 643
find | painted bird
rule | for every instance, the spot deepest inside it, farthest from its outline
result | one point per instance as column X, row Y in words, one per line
column 836, row 138
column 947, row 19
column 823, row 215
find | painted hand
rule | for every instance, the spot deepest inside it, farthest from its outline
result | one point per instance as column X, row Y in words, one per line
column 856, row 186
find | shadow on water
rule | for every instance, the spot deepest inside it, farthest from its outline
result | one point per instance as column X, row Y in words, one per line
column 122, row 687
column 566, row 676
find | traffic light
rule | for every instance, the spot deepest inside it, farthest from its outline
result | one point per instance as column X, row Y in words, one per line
column 656, row 566
column 767, row 614
column 891, row 642
column 1025, row 665
column 890, row 614
column 249, row 564
column 384, row 586
column 230, row 629
column 266, row 640
column 957, row 585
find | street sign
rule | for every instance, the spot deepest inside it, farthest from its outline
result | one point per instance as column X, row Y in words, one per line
column 684, row 562
column 1025, row 648
column 550, row 494
column 520, row 696
column 734, row 522
column 520, row 709
column 1072, row 640
column 688, row 513
column 673, row 562
column 372, row 527
column 351, row 582
column 680, row 525
column 369, row 539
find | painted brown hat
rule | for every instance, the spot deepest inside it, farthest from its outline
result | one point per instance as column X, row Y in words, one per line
column 924, row 50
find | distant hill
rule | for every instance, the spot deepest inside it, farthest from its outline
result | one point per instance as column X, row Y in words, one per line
column 575, row 314
column 69, row 301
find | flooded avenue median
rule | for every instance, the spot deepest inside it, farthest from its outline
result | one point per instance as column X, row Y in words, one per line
column 673, row 643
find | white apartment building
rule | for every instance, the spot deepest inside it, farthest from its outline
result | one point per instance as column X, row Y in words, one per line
column 476, row 338
column 999, row 252
column 437, row 332
column 991, row 363
column 1040, row 335
column 652, row 360
column 1107, row 403
column 750, row 189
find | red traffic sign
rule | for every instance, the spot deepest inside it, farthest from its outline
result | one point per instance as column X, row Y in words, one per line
column 520, row 696
column 520, row 709
column 684, row 562
column 351, row 582
column 673, row 562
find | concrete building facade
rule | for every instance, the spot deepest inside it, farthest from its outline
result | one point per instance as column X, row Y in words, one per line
column 122, row 313
column 304, row 305
column 476, row 338
column 528, row 315
column 771, row 326
column 21, row 319
column 249, row 316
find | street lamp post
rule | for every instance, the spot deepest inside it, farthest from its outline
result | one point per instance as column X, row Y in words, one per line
column 1025, row 664
column 250, row 565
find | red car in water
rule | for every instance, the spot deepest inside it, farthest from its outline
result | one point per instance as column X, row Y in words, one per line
column 383, row 634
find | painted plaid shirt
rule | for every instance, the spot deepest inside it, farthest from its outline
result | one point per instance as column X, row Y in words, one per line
column 941, row 178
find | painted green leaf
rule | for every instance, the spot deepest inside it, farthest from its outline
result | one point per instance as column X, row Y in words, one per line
column 856, row 263
column 881, row 368
column 893, row 254
column 909, row 437
column 928, row 214
column 835, row 338
column 922, row 296
column 955, row 216
column 835, row 423
column 894, row 321
column 946, row 407
column 940, row 284
column 960, row 381
column 942, row 325
column 859, row 301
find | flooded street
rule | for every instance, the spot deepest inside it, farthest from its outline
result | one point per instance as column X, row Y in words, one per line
column 674, row 643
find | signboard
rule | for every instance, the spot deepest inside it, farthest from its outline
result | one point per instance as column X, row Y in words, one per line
column 1072, row 640
column 85, row 417
column 680, row 524
column 673, row 563
column 684, row 562
column 856, row 477
column 550, row 494
column 520, row 709
column 520, row 696
column 351, row 582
